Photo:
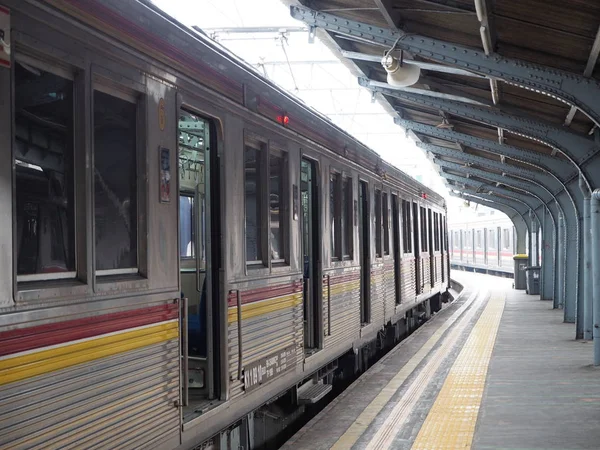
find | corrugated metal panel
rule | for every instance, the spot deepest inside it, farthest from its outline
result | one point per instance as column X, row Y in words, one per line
column 437, row 265
column 408, row 288
column 96, row 404
column 425, row 274
column 377, row 294
column 345, row 308
column 389, row 289
column 267, row 333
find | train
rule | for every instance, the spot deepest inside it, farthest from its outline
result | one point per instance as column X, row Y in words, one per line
column 186, row 249
column 484, row 243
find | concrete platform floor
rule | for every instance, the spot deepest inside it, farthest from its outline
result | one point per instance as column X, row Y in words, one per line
column 497, row 369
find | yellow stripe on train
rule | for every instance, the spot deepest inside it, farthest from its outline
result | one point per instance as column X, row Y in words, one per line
column 264, row 307
column 29, row 365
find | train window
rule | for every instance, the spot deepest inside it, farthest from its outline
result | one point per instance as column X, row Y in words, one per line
column 479, row 239
column 436, row 232
column 492, row 239
column 378, row 223
column 506, row 238
column 266, row 205
column 186, row 226
column 115, row 184
column 406, row 227
column 44, row 179
column 334, row 212
column 277, row 204
column 423, row 214
column 347, row 221
column 441, row 233
column 444, row 234
column 254, row 151
column 386, row 225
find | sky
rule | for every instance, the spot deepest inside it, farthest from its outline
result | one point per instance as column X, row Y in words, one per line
column 312, row 73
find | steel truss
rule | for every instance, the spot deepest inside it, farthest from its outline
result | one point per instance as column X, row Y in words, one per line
column 573, row 89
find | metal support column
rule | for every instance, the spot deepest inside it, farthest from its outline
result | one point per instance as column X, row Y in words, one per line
column 548, row 263
column 533, row 242
column 522, row 239
column 559, row 300
column 595, row 223
column 587, row 262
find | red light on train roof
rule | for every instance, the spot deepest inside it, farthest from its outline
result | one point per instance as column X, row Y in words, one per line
column 284, row 120
column 424, row 195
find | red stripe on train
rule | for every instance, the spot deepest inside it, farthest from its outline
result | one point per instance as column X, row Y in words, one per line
column 263, row 293
column 15, row 341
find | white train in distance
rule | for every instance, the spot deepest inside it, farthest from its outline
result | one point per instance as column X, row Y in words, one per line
column 481, row 240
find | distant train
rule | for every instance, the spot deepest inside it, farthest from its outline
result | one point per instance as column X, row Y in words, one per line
column 485, row 244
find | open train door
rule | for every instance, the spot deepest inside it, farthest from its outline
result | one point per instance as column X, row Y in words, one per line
column 311, row 248
column 199, row 256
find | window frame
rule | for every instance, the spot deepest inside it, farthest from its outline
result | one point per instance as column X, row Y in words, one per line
column 274, row 148
column 377, row 208
column 407, row 228
column 335, row 230
column 262, row 231
column 121, row 83
column 436, row 231
column 22, row 282
column 347, row 228
column 139, row 99
column 344, row 225
column 385, row 222
column 271, row 146
column 424, row 230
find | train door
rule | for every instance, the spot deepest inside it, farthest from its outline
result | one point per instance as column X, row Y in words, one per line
column 443, row 245
column 311, row 247
column 364, row 247
column 417, row 219
column 396, row 246
column 431, row 248
column 199, row 260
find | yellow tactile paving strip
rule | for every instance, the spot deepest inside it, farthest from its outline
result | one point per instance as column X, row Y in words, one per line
column 451, row 421
column 362, row 422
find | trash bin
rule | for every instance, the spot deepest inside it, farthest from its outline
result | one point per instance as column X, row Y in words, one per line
column 520, row 265
column 533, row 280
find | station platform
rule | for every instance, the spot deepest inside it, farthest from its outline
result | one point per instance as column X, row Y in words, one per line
column 496, row 369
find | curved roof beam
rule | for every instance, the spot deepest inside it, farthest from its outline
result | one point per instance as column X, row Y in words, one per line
column 553, row 185
column 567, row 199
column 522, row 208
column 530, row 188
column 562, row 170
column 581, row 150
column 532, row 201
column 573, row 89
column 489, row 200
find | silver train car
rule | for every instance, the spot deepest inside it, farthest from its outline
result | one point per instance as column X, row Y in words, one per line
column 485, row 244
column 183, row 243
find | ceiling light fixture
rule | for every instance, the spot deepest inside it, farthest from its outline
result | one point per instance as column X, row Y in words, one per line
column 399, row 72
